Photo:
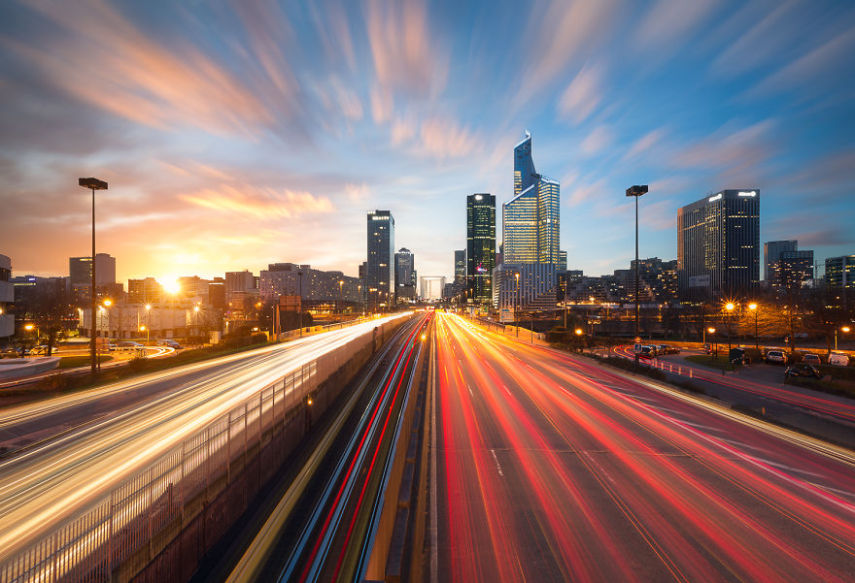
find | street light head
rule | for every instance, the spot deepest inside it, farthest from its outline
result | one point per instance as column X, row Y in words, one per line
column 711, row 330
column 729, row 306
column 108, row 302
column 28, row 327
column 148, row 306
column 845, row 329
column 578, row 331
column 92, row 183
column 752, row 306
column 195, row 308
column 636, row 190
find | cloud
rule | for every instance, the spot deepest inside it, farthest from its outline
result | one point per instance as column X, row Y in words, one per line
column 407, row 55
column 644, row 143
column 259, row 203
column 599, row 138
column 403, row 129
column 107, row 62
column 442, row 138
column 730, row 149
column 669, row 22
column 382, row 104
column 348, row 100
column 582, row 96
column 813, row 72
column 587, row 192
column 565, row 32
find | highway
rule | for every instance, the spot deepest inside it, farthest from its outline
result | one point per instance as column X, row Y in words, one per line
column 46, row 482
column 551, row 468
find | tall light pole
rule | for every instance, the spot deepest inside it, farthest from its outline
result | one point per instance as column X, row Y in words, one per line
column 93, row 184
column 844, row 329
column 636, row 191
column 729, row 306
column 340, row 296
column 516, row 308
column 754, row 308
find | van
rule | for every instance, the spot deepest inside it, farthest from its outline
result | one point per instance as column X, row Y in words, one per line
column 836, row 359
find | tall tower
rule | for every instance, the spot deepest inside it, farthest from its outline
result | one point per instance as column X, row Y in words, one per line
column 480, row 246
column 379, row 276
column 405, row 275
column 718, row 245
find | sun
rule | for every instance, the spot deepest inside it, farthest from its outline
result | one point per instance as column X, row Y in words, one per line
column 171, row 286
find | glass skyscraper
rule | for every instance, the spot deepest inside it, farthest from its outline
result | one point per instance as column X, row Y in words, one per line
column 531, row 219
column 718, row 245
column 480, row 246
column 379, row 273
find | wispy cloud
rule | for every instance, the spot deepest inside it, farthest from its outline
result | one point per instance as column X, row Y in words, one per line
column 644, row 143
column 442, row 138
column 259, row 203
column 669, row 22
column 600, row 138
column 583, row 95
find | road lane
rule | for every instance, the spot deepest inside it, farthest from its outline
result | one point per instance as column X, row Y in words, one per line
column 49, row 481
column 555, row 469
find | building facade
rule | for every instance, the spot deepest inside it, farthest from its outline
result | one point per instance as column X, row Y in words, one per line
column 405, row 275
column 460, row 266
column 718, row 245
column 431, row 287
column 80, row 275
column 772, row 251
column 480, row 246
column 7, row 297
column 379, row 274
column 794, row 269
column 840, row 272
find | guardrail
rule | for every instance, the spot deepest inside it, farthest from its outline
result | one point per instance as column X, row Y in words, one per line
column 120, row 534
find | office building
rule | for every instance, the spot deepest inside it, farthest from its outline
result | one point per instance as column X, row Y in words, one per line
column 144, row 291
column 405, row 275
column 840, row 272
column 314, row 286
column 460, row 266
column 771, row 256
column 379, row 275
column 431, row 287
column 793, row 270
column 480, row 246
column 562, row 261
column 80, row 275
column 718, row 245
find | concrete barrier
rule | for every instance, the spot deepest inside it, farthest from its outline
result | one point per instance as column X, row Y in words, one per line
column 16, row 368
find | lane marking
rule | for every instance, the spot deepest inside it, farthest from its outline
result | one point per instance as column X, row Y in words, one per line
column 434, row 525
column 498, row 465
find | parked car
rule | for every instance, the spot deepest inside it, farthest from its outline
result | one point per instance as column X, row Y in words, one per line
column 707, row 348
column 776, row 356
column 10, row 352
column 837, row 359
column 40, row 349
column 811, row 359
column 129, row 344
column 736, row 356
column 170, row 343
column 802, row 370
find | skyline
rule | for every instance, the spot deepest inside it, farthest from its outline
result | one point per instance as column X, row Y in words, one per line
column 237, row 137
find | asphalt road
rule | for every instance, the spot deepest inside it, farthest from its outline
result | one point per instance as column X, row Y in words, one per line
column 550, row 468
column 48, row 481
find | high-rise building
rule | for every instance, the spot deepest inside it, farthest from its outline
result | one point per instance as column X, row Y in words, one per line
column 840, row 272
column 480, row 246
column 80, row 275
column 460, row 266
column 405, row 275
column 718, row 245
column 772, row 254
column 379, row 275
column 562, row 261
column 794, row 269
column 531, row 219
column 144, row 291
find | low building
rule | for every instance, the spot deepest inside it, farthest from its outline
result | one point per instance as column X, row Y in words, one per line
column 7, row 296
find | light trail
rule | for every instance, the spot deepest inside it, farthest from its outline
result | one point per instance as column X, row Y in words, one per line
column 50, row 481
column 607, row 478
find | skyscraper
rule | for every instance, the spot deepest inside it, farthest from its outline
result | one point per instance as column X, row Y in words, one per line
column 531, row 219
column 840, row 272
column 379, row 275
column 405, row 275
column 718, row 245
column 480, row 246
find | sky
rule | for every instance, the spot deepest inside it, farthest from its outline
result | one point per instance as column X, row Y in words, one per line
column 237, row 134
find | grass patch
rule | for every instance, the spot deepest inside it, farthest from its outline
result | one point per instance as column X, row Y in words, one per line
column 719, row 362
column 77, row 361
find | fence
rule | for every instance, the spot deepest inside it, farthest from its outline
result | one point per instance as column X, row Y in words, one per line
column 185, row 500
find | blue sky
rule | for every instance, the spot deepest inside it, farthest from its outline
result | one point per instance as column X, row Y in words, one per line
column 234, row 134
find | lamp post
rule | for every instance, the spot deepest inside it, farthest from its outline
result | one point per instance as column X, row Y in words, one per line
column 844, row 329
column 729, row 307
column 340, row 296
column 300, row 303
column 711, row 330
column 636, row 191
column 754, row 308
column 93, row 184
column 147, row 324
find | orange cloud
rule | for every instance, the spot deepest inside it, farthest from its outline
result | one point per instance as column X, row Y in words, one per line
column 259, row 203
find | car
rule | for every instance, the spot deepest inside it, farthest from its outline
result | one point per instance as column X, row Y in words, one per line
column 811, row 359
column 129, row 344
column 707, row 348
column 10, row 352
column 802, row 370
column 776, row 356
column 170, row 343
column 737, row 356
column 668, row 349
column 40, row 349
column 838, row 359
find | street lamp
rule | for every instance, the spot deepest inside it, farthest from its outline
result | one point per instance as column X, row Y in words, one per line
column 729, row 306
column 148, row 323
column 636, row 192
column 753, row 307
column 711, row 330
column 93, row 184
column 517, row 307
column 844, row 329
column 340, row 296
